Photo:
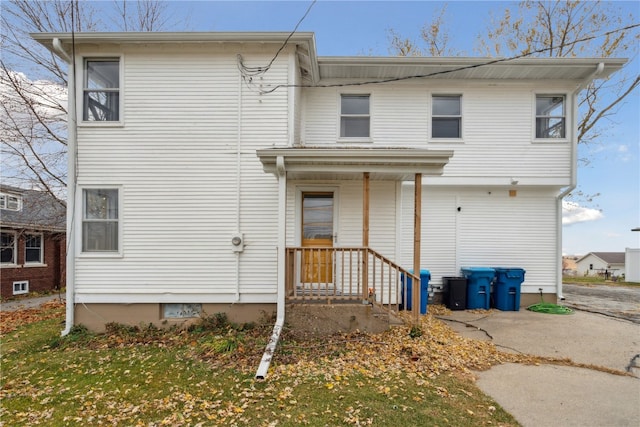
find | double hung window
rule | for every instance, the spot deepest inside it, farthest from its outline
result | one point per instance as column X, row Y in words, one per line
column 100, row 220
column 7, row 248
column 446, row 116
column 354, row 116
column 550, row 116
column 33, row 249
column 101, row 93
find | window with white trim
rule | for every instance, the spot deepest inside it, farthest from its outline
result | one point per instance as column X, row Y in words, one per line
column 354, row 116
column 10, row 202
column 7, row 248
column 550, row 117
column 101, row 90
column 446, row 116
column 21, row 287
column 33, row 249
column 100, row 220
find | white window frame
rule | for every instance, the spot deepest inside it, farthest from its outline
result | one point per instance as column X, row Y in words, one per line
column 41, row 257
column 82, row 83
column 14, row 262
column 23, row 287
column 565, row 116
column 341, row 116
column 5, row 202
column 80, row 212
column 444, row 116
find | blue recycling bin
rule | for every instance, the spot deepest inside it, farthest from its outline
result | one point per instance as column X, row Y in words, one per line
column 506, row 291
column 425, row 276
column 478, row 286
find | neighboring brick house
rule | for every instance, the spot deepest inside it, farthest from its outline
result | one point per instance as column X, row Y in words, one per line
column 32, row 244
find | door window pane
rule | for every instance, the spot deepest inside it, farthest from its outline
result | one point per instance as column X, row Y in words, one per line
column 317, row 216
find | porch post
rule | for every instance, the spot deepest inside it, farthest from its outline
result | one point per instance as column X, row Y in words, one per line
column 365, row 235
column 417, row 223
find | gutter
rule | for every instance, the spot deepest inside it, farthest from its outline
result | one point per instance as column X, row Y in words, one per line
column 71, row 185
column 574, row 174
column 261, row 373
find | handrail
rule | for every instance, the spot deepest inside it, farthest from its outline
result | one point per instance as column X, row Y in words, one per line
column 336, row 274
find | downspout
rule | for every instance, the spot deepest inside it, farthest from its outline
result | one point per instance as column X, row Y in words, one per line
column 238, row 182
column 277, row 328
column 71, row 185
column 574, row 175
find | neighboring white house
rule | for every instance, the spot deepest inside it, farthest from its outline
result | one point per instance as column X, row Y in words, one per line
column 604, row 264
column 208, row 173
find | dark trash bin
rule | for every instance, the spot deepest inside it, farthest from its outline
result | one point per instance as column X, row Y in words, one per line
column 455, row 292
column 425, row 276
column 506, row 290
column 478, row 286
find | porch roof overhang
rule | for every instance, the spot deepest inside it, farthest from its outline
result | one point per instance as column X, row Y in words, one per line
column 334, row 163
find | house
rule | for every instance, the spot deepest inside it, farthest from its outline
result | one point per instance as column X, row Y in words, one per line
column 33, row 248
column 237, row 172
column 604, row 264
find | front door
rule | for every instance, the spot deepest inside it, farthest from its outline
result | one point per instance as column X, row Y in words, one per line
column 317, row 232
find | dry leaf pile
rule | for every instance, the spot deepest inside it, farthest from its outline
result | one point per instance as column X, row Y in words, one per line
column 399, row 366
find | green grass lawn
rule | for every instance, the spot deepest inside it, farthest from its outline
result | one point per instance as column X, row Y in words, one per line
column 204, row 377
column 591, row 280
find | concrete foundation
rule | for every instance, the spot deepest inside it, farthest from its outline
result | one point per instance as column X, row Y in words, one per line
column 95, row 316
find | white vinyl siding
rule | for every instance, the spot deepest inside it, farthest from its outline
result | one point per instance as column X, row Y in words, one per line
column 498, row 129
column 491, row 229
column 177, row 161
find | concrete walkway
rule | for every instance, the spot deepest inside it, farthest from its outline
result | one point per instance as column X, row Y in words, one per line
column 22, row 303
column 550, row 395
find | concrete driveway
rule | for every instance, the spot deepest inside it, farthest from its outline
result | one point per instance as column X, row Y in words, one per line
column 615, row 301
column 552, row 395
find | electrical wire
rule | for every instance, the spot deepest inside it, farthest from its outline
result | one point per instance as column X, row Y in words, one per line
column 436, row 73
column 249, row 72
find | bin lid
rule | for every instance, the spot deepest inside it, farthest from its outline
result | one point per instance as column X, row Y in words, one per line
column 477, row 270
column 422, row 271
column 501, row 269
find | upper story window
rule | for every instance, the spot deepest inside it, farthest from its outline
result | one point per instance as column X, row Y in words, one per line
column 10, row 202
column 550, row 116
column 101, row 93
column 100, row 220
column 354, row 116
column 446, row 116
column 33, row 249
column 7, row 248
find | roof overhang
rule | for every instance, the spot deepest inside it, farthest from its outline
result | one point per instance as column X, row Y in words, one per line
column 396, row 68
column 304, row 42
column 330, row 163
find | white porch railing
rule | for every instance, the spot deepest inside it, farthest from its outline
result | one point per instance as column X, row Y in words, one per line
column 355, row 274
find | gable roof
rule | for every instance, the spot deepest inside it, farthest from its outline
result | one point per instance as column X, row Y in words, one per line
column 608, row 257
column 39, row 211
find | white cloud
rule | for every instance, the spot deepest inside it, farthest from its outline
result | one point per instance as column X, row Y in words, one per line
column 573, row 213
